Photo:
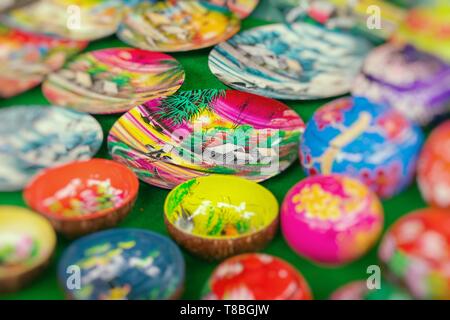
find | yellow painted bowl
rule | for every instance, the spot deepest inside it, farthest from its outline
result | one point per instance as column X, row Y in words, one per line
column 218, row 216
column 27, row 242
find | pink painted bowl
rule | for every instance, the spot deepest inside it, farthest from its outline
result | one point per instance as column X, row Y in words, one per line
column 331, row 219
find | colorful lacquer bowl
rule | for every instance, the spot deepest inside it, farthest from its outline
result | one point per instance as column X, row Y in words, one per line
column 242, row 8
column 193, row 133
column 416, row 83
column 219, row 216
column 296, row 62
column 365, row 140
column 428, row 29
column 416, row 251
column 257, row 277
column 123, row 264
column 37, row 137
column 331, row 219
column 433, row 170
column 359, row 290
column 113, row 80
column 78, row 20
column 177, row 25
column 84, row 196
column 27, row 242
column 25, row 58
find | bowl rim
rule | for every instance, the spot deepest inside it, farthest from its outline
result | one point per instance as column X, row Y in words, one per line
column 132, row 190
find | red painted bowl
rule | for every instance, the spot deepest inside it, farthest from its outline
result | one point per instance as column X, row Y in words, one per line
column 84, row 196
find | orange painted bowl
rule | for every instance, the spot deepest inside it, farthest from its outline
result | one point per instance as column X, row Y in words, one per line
column 83, row 196
column 27, row 243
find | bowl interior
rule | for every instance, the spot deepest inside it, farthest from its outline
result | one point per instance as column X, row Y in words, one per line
column 82, row 190
column 220, row 206
column 26, row 240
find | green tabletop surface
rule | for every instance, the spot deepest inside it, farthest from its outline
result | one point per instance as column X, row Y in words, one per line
column 148, row 211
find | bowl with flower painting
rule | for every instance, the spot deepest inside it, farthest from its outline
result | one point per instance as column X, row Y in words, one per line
column 84, row 196
column 27, row 242
column 365, row 140
column 218, row 216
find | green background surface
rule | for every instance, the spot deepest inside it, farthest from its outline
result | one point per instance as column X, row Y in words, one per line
column 148, row 211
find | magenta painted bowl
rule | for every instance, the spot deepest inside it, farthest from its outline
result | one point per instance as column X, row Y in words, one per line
column 331, row 219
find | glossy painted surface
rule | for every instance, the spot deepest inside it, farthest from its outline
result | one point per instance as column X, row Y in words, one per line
column 113, row 80
column 177, row 25
column 25, row 58
column 201, row 132
column 124, row 264
column 257, row 277
column 417, row 84
column 371, row 142
column 27, row 241
column 331, row 219
column 83, row 20
column 416, row 250
column 242, row 8
column 37, row 137
column 82, row 189
column 220, row 206
column 298, row 62
column 433, row 171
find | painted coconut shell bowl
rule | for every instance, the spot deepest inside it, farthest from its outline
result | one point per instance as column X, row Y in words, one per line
column 416, row 253
column 433, row 169
column 218, row 216
column 123, row 264
column 38, row 137
column 27, row 242
column 77, row 20
column 113, row 80
column 84, row 196
column 175, row 25
column 193, row 133
column 256, row 276
column 331, row 219
column 368, row 141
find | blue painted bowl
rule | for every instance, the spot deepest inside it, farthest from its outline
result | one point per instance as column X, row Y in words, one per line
column 121, row 264
column 371, row 142
column 38, row 137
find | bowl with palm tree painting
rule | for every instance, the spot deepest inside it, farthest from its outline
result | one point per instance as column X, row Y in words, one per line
column 218, row 216
column 208, row 131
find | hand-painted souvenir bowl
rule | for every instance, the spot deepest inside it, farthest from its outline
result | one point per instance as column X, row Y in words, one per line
column 113, row 80
column 428, row 29
column 27, row 242
column 241, row 8
column 358, row 290
column 218, row 216
column 25, row 58
column 296, row 62
column 331, row 219
column 123, row 264
column 416, row 252
column 433, row 169
column 360, row 17
column 84, row 196
column 257, row 277
column 364, row 140
column 193, row 133
column 37, row 137
column 77, row 20
column 170, row 26
column 417, row 84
